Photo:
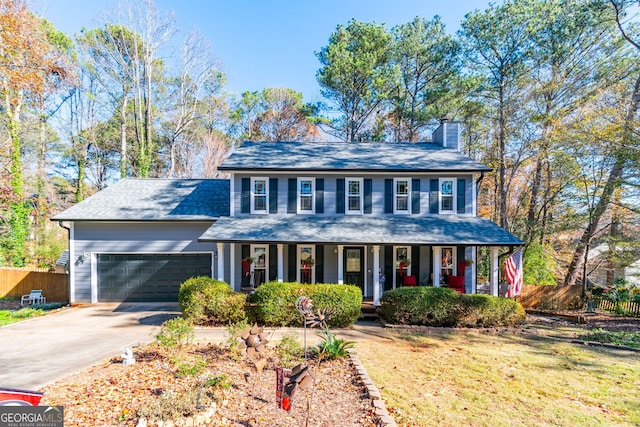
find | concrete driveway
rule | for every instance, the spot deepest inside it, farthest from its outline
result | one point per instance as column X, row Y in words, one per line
column 38, row 351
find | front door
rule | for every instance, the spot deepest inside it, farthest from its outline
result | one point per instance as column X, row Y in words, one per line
column 354, row 266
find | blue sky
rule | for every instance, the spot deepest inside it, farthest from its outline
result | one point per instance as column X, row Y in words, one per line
column 264, row 44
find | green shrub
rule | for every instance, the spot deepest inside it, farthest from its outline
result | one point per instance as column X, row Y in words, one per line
column 484, row 310
column 275, row 303
column 331, row 348
column 204, row 300
column 174, row 334
column 27, row 312
column 433, row 306
column 290, row 352
column 420, row 305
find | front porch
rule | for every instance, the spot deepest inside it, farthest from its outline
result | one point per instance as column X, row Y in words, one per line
column 375, row 253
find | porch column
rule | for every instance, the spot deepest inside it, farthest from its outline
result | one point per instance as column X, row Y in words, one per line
column 474, row 268
column 280, row 262
column 232, row 266
column 494, row 275
column 340, row 266
column 437, row 263
column 221, row 261
column 376, row 274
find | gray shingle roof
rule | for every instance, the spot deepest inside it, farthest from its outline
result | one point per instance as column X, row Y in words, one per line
column 428, row 230
column 336, row 156
column 154, row 200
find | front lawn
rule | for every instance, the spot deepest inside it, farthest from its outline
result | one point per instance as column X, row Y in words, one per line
column 468, row 378
column 11, row 311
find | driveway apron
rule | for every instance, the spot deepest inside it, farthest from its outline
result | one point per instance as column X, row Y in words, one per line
column 41, row 350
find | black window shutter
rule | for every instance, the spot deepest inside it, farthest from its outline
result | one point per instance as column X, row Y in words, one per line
column 319, row 195
column 319, row 264
column 245, row 200
column 273, row 195
column 415, row 196
column 388, row 267
column 368, row 191
column 273, row 263
column 340, row 195
column 430, row 259
column 245, row 251
column 461, row 196
column 433, row 196
column 460, row 256
column 292, row 261
column 292, row 205
column 388, row 196
column 415, row 263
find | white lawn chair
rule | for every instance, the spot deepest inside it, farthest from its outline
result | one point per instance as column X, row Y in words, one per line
column 35, row 297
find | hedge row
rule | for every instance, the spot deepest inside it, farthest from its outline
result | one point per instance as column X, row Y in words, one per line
column 207, row 301
column 433, row 306
column 275, row 303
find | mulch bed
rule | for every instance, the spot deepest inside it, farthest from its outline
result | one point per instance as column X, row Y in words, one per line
column 113, row 394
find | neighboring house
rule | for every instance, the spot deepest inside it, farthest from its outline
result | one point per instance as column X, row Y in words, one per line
column 308, row 212
column 598, row 266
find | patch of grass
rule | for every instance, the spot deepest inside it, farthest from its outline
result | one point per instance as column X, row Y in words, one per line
column 631, row 339
column 12, row 316
column 467, row 378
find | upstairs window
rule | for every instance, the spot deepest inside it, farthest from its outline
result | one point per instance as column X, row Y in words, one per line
column 354, row 195
column 306, row 195
column 447, row 192
column 401, row 192
column 259, row 195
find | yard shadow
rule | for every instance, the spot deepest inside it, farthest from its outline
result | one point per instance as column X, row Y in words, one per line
column 157, row 319
column 162, row 311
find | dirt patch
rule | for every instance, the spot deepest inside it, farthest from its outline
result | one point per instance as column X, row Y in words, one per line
column 599, row 320
column 9, row 304
column 114, row 394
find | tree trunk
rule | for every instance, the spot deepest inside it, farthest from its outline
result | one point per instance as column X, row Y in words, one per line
column 613, row 182
column 123, row 137
column 502, row 187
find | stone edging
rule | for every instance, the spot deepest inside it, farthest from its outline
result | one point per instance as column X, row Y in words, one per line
column 382, row 417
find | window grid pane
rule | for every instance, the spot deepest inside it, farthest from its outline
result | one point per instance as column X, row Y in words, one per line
column 306, row 203
column 305, row 187
column 354, row 203
column 447, row 203
column 260, row 203
column 446, row 195
column 402, row 203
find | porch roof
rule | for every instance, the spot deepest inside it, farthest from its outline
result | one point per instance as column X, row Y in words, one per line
column 409, row 230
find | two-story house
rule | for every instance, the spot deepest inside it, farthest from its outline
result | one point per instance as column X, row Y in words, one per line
column 376, row 215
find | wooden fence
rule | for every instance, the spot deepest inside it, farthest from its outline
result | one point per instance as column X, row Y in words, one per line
column 629, row 307
column 550, row 297
column 16, row 282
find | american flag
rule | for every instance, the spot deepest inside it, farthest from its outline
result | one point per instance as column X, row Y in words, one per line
column 513, row 273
